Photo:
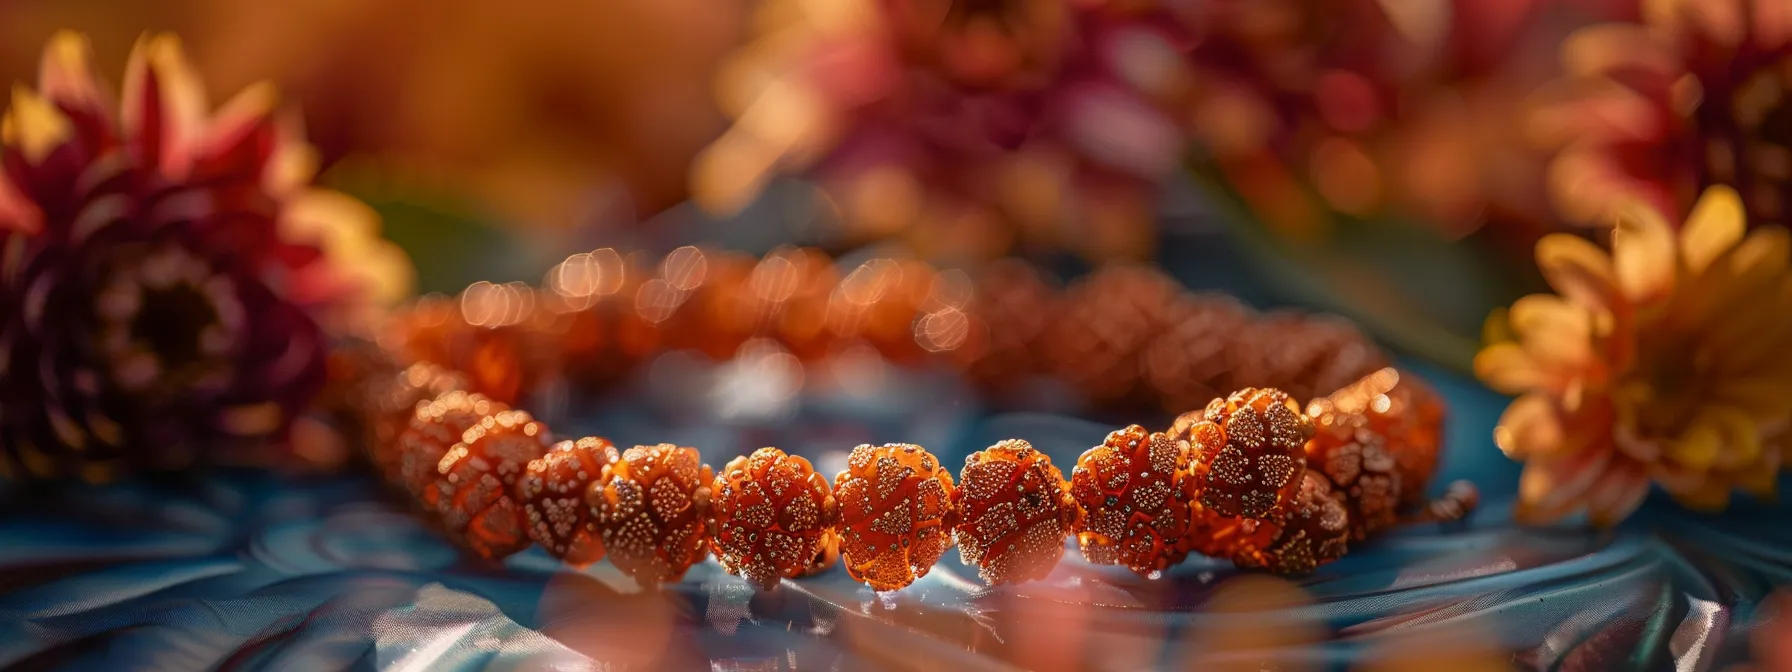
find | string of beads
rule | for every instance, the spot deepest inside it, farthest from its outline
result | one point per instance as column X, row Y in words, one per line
column 1253, row 476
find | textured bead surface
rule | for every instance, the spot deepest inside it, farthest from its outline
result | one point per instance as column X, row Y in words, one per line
column 552, row 493
column 895, row 514
column 478, row 475
column 1312, row 531
column 391, row 401
column 773, row 517
column 436, row 426
column 1135, row 491
column 1014, row 511
column 1249, row 452
column 1106, row 320
column 1356, row 460
column 652, row 512
column 1406, row 413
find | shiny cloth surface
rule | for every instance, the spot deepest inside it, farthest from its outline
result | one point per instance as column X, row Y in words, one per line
column 247, row 570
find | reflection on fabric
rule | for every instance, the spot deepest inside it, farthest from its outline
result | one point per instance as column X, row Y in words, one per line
column 248, row 571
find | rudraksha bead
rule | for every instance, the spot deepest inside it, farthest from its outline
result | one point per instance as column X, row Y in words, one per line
column 436, row 427
column 1357, row 462
column 1414, row 425
column 1406, row 413
column 1302, row 354
column 1014, row 511
column 1135, row 491
column 1312, row 531
column 652, row 511
column 389, row 404
column 1189, row 362
column 1249, row 452
column 773, row 517
column 1011, row 306
column 896, row 514
column 478, row 475
column 1106, row 319
column 877, row 304
column 552, row 492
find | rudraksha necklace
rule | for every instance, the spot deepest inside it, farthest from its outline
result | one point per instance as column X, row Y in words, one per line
column 1253, row 476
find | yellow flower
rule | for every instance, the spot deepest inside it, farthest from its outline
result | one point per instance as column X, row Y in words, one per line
column 1662, row 360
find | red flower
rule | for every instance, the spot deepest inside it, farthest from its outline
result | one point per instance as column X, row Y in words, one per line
column 963, row 125
column 1692, row 95
column 167, row 286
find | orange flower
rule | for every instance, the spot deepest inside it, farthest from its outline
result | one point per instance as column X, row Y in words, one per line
column 1662, row 360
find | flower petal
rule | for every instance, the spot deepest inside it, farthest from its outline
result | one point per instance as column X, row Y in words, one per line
column 1579, row 271
column 1596, row 50
column 1697, row 447
column 1531, row 426
column 1497, row 328
column 1643, row 253
column 1737, row 280
column 164, row 103
column 1554, row 483
column 1715, row 225
column 1616, row 496
column 17, row 213
column 65, row 77
column 1506, row 367
column 241, row 137
column 33, row 125
column 1556, row 334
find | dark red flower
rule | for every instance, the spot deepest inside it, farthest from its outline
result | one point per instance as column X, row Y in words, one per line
column 167, row 287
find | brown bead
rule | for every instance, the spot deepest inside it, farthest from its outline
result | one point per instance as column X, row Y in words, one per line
column 436, row 426
column 797, row 286
column 1355, row 459
column 1406, row 413
column 722, row 312
column 773, row 517
column 1134, row 490
column 652, row 512
column 1249, row 452
column 1012, row 305
column 1189, row 362
column 878, row 303
column 1312, row 531
column 1104, row 323
column 1305, row 355
column 478, row 476
column 552, row 493
column 389, row 404
column 1014, row 511
column 896, row 514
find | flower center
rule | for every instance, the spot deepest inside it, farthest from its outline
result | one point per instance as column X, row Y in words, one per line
column 167, row 321
column 1667, row 391
column 172, row 323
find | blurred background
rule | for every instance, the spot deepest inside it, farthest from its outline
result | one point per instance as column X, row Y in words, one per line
column 1372, row 157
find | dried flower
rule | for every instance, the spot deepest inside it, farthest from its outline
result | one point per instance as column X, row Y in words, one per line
column 169, row 281
column 1370, row 109
column 1693, row 94
column 961, row 126
column 1661, row 360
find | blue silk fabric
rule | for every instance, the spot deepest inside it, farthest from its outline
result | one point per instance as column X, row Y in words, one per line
column 253, row 571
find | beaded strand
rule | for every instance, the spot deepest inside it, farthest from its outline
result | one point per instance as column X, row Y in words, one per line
column 1253, row 477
